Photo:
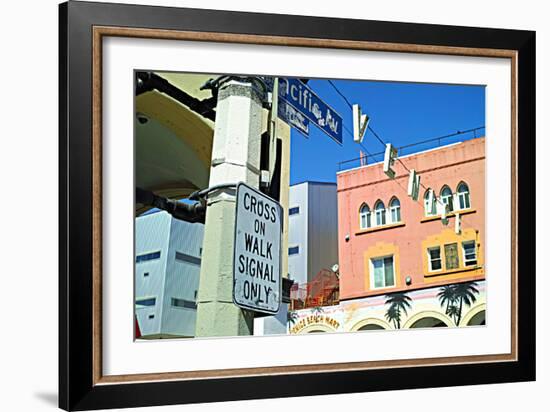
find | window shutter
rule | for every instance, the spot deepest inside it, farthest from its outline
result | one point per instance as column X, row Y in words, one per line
column 451, row 256
column 456, row 202
column 440, row 207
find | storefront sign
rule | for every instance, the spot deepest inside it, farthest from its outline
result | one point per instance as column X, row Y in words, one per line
column 315, row 320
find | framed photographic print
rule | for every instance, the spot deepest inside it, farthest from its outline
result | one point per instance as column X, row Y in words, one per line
column 256, row 205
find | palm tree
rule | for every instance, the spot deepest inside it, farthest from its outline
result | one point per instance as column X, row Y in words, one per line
column 291, row 317
column 446, row 297
column 398, row 302
column 393, row 315
column 453, row 311
column 465, row 293
column 317, row 310
column 453, row 298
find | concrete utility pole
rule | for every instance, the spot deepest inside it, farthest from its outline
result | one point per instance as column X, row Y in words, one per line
column 235, row 158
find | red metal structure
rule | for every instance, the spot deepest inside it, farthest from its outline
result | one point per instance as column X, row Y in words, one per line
column 323, row 290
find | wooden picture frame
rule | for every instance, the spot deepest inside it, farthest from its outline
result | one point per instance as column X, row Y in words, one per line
column 82, row 27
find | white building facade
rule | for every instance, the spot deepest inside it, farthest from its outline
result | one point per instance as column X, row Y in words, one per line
column 167, row 269
column 313, row 229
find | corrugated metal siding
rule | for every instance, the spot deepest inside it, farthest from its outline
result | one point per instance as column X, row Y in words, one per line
column 151, row 235
column 182, row 277
column 168, row 278
column 322, row 227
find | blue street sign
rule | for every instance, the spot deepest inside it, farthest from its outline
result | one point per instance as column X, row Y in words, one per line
column 293, row 117
column 289, row 114
column 303, row 99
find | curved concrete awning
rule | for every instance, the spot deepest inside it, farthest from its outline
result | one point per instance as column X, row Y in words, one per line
column 174, row 145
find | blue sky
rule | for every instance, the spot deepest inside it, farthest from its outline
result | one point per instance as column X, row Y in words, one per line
column 401, row 114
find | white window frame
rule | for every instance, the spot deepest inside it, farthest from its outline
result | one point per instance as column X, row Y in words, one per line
column 464, row 260
column 367, row 215
column 396, row 209
column 379, row 212
column 463, row 196
column 447, row 199
column 430, row 268
column 430, row 210
column 371, row 267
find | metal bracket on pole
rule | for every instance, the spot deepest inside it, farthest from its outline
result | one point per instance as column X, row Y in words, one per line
column 192, row 213
column 203, row 194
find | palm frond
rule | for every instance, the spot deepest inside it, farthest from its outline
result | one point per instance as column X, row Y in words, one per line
column 467, row 292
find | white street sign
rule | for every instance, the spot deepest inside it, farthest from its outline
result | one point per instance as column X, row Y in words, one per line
column 257, row 258
column 360, row 123
column 389, row 159
column 414, row 185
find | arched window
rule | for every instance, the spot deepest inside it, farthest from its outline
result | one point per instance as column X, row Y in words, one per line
column 395, row 210
column 429, row 203
column 447, row 197
column 380, row 212
column 463, row 196
column 364, row 217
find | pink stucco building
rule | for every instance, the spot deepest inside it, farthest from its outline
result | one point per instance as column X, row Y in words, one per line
column 388, row 242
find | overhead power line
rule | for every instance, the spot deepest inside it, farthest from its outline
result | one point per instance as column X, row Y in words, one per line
column 360, row 144
column 438, row 138
column 340, row 93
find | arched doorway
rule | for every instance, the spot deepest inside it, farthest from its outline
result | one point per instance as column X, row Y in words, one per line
column 428, row 322
column 474, row 317
column 478, row 319
column 371, row 326
column 316, row 328
column 428, row 319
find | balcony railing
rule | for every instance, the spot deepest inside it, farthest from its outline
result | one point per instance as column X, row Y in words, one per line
column 412, row 148
column 323, row 290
